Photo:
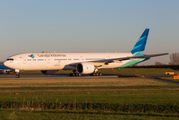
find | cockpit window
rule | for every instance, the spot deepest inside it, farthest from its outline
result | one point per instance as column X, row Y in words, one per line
column 10, row 59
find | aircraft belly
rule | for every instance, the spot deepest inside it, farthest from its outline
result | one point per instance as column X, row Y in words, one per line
column 69, row 67
column 113, row 65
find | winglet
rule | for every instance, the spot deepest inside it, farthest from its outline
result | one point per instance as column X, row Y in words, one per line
column 139, row 47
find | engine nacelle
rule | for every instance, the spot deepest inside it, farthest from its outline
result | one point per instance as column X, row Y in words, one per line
column 85, row 68
column 5, row 71
column 49, row 72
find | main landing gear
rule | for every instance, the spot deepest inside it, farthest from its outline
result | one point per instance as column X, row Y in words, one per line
column 17, row 73
column 96, row 74
column 78, row 74
column 75, row 73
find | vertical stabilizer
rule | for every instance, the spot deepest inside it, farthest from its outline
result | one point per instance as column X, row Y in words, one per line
column 139, row 47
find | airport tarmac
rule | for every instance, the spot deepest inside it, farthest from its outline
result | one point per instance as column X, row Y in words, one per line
column 59, row 76
column 155, row 77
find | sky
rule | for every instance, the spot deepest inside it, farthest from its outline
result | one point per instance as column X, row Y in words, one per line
column 88, row 26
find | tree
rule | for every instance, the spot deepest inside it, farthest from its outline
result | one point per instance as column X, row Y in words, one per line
column 158, row 63
column 174, row 59
column 1, row 62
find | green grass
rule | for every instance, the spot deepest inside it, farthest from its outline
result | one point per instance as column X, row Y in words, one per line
column 94, row 98
column 81, row 115
column 155, row 98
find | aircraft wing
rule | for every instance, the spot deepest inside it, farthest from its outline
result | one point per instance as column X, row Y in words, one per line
column 106, row 61
column 131, row 57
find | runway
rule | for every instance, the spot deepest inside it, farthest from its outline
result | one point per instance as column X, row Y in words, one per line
column 156, row 77
column 40, row 76
column 118, row 87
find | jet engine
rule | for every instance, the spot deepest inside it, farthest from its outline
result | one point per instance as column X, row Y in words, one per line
column 49, row 72
column 5, row 71
column 85, row 68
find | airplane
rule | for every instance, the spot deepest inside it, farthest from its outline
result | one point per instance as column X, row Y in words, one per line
column 5, row 70
column 80, row 63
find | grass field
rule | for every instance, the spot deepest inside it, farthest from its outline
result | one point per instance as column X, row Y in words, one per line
column 90, row 98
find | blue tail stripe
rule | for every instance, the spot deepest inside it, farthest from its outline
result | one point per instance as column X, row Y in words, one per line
column 141, row 38
column 141, row 43
column 137, row 47
column 141, row 48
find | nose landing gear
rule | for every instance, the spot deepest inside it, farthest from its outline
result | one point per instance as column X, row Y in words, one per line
column 17, row 73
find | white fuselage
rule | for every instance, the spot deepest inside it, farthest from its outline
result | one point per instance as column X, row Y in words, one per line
column 64, row 61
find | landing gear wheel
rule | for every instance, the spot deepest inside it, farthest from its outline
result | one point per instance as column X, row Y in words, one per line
column 72, row 74
column 75, row 74
column 17, row 75
column 96, row 74
column 99, row 74
column 92, row 74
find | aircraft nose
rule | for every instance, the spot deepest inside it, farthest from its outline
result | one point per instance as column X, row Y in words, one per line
column 7, row 64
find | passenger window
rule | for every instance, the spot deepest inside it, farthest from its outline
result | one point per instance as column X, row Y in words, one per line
column 40, row 59
column 10, row 59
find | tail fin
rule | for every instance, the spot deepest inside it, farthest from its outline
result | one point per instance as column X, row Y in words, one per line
column 139, row 47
